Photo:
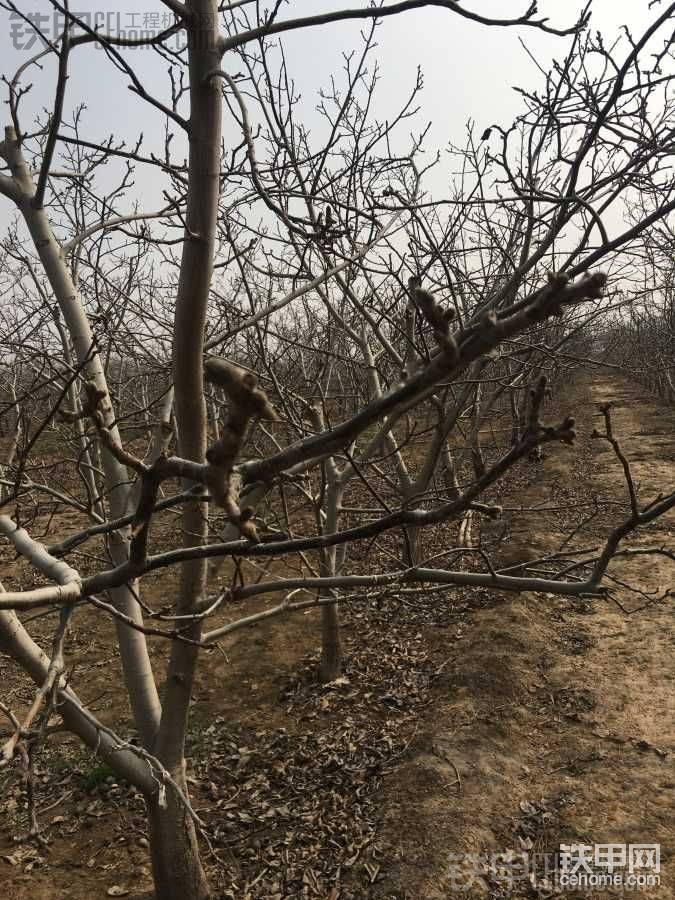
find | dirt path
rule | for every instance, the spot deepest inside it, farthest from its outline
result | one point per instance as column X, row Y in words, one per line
column 555, row 720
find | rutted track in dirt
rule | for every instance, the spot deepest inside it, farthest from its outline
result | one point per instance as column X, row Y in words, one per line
column 554, row 720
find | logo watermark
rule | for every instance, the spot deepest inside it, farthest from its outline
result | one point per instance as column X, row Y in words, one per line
column 31, row 30
column 617, row 868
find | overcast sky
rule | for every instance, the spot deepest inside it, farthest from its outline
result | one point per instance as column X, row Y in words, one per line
column 469, row 69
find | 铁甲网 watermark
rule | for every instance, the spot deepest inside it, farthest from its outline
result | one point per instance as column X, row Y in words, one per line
column 620, row 868
column 32, row 31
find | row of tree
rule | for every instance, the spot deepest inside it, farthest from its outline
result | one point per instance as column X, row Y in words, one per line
column 305, row 350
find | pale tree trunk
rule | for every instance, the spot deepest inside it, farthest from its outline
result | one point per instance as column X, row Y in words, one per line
column 412, row 533
column 671, row 385
column 330, row 662
column 163, row 431
column 331, row 651
column 176, row 865
column 136, row 666
column 16, row 430
column 476, row 453
column 449, row 471
column 160, row 438
column 213, row 413
column 17, row 643
column 87, row 466
column 437, row 451
column 516, row 425
column 333, row 559
column 145, row 403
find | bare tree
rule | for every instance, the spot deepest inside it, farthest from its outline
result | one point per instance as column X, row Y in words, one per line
column 315, row 286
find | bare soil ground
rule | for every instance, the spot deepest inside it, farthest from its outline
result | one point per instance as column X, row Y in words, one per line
column 554, row 720
column 466, row 721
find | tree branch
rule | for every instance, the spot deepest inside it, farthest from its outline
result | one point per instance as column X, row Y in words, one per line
column 378, row 12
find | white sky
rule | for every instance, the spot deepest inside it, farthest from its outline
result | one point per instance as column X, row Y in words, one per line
column 469, row 69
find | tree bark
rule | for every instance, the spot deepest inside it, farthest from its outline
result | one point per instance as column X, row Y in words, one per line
column 175, row 855
column 331, row 649
column 138, row 676
column 177, row 870
column 17, row 643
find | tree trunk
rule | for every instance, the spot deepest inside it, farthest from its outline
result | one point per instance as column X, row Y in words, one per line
column 17, row 643
column 176, row 866
column 136, row 665
column 515, row 419
column 411, row 545
column 331, row 650
column 175, row 855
